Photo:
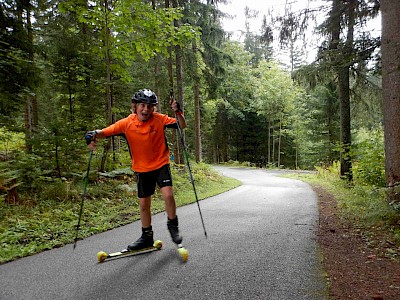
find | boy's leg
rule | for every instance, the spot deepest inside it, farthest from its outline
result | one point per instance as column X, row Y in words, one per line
column 146, row 239
column 170, row 207
column 145, row 186
column 164, row 181
column 170, row 204
column 145, row 211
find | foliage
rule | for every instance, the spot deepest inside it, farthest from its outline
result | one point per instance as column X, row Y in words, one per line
column 369, row 165
column 18, row 73
column 133, row 35
column 10, row 143
column 252, row 99
column 250, row 108
column 317, row 126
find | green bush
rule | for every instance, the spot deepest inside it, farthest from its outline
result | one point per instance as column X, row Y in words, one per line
column 369, row 159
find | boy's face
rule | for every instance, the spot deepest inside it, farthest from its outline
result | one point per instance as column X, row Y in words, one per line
column 143, row 111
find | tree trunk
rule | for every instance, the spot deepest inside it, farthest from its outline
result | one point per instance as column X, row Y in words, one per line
column 220, row 133
column 269, row 145
column 342, row 62
column 179, row 97
column 108, row 95
column 31, row 118
column 71, row 99
column 334, row 29
column 344, row 94
column 196, row 93
column 330, row 126
column 178, row 151
column 345, row 132
column 216, row 154
column 86, row 63
column 170, row 61
column 58, row 168
column 273, row 146
column 109, row 102
column 391, row 96
column 279, row 142
column 297, row 149
column 157, row 71
column 31, row 106
column 170, row 68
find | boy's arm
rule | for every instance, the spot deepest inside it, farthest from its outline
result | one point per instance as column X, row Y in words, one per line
column 100, row 134
column 181, row 119
column 114, row 129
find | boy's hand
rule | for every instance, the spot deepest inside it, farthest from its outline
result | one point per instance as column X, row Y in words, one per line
column 90, row 137
column 175, row 105
column 92, row 145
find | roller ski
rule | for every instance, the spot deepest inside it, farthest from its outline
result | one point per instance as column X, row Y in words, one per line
column 144, row 244
column 177, row 239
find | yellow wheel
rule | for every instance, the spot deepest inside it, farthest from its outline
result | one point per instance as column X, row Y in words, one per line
column 101, row 256
column 157, row 244
column 184, row 254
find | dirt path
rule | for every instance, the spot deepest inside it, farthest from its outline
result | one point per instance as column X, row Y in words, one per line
column 354, row 270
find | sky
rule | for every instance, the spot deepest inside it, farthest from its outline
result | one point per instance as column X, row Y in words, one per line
column 236, row 8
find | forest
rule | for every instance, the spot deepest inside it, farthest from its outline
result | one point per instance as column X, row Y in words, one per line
column 72, row 66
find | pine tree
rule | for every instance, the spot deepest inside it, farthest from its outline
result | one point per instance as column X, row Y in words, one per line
column 391, row 96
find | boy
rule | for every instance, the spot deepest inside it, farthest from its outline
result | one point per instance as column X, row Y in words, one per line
column 144, row 131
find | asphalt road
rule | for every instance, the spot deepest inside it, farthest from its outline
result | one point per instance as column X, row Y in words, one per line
column 261, row 245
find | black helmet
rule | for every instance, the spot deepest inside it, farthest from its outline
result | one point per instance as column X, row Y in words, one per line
column 145, row 96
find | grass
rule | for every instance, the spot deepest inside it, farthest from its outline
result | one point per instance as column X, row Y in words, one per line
column 363, row 207
column 49, row 222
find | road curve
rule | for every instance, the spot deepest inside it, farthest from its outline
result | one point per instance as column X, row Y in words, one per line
column 261, row 245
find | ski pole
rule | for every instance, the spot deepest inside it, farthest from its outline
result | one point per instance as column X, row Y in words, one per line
column 86, row 180
column 188, row 164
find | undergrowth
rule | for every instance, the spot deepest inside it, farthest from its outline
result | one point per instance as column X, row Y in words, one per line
column 364, row 207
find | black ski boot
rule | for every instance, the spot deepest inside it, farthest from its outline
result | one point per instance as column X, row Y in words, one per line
column 145, row 241
column 174, row 230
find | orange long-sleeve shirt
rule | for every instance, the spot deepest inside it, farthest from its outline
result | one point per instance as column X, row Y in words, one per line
column 146, row 140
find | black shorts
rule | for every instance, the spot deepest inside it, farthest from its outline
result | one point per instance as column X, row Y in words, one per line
column 146, row 182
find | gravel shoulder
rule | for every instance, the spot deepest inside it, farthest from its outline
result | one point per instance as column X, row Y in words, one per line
column 353, row 269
